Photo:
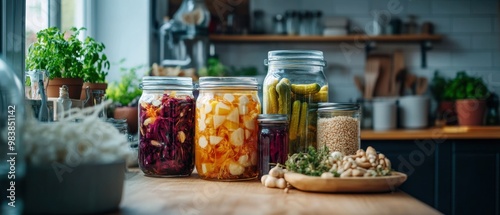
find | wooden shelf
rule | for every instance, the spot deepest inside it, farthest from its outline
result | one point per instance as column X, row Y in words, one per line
column 346, row 38
column 486, row 132
column 425, row 40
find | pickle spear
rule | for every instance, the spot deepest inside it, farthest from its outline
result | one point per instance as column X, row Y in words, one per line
column 306, row 88
column 284, row 96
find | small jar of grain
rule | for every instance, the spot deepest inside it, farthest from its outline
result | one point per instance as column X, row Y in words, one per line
column 338, row 127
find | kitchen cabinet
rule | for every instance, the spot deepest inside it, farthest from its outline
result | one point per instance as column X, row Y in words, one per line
column 457, row 173
column 424, row 40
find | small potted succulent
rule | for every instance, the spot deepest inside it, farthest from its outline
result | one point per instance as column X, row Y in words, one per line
column 470, row 95
column 125, row 95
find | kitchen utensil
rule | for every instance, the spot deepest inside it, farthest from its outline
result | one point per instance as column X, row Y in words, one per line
column 383, row 85
column 421, row 85
column 414, row 111
column 371, row 75
column 409, row 82
column 398, row 65
column 342, row 185
column 359, row 84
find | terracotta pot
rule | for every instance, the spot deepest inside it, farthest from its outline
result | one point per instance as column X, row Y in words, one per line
column 471, row 111
column 92, row 86
column 74, row 87
column 129, row 113
column 447, row 112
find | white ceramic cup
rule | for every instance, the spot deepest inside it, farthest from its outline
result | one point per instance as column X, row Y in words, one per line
column 414, row 111
column 384, row 115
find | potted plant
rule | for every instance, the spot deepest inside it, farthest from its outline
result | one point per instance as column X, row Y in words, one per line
column 445, row 112
column 125, row 95
column 95, row 68
column 68, row 60
column 470, row 95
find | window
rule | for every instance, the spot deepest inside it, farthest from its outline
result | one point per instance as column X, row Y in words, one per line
column 37, row 18
column 41, row 14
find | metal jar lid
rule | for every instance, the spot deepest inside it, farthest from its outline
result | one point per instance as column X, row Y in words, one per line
column 295, row 57
column 248, row 83
column 166, row 83
column 272, row 118
column 327, row 106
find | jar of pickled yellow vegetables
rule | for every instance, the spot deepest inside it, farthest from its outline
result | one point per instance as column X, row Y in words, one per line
column 226, row 132
column 294, row 85
column 166, row 123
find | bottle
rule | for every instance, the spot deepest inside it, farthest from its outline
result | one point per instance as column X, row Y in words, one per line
column 226, row 133
column 294, row 84
column 339, row 127
column 273, row 141
column 11, row 147
column 166, row 126
column 63, row 103
column 43, row 114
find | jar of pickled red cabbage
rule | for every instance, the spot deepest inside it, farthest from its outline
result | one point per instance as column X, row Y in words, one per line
column 226, row 133
column 166, row 126
column 295, row 83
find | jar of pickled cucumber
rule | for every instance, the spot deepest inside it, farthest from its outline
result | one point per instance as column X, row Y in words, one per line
column 166, row 126
column 294, row 84
column 226, row 132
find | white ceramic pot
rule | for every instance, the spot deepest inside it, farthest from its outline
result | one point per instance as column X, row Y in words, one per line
column 384, row 115
column 414, row 111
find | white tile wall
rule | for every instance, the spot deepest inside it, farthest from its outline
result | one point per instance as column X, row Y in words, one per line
column 451, row 7
column 488, row 42
column 471, row 31
column 472, row 25
column 351, row 7
column 471, row 59
column 422, row 7
column 484, row 7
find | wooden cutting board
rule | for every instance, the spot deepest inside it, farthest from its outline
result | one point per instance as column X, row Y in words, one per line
column 371, row 76
column 384, row 81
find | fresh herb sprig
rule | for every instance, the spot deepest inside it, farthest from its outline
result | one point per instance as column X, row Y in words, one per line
column 313, row 162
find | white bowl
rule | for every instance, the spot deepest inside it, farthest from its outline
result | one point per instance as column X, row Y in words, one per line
column 83, row 189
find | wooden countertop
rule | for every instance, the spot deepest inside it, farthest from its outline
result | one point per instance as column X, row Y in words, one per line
column 480, row 132
column 146, row 195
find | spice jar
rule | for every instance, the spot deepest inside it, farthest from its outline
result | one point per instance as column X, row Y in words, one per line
column 226, row 128
column 273, row 141
column 166, row 124
column 339, row 127
column 294, row 84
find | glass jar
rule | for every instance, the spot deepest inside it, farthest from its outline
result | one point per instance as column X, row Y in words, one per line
column 166, row 125
column 295, row 82
column 273, row 141
column 339, row 127
column 226, row 128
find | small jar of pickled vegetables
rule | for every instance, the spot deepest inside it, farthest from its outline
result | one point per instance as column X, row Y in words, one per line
column 226, row 133
column 294, row 84
column 273, row 141
column 166, row 126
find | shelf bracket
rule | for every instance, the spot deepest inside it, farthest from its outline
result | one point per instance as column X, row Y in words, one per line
column 424, row 47
column 369, row 46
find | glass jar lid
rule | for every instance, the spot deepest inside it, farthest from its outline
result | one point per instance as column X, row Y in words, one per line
column 272, row 118
column 295, row 57
column 166, row 83
column 248, row 83
column 329, row 106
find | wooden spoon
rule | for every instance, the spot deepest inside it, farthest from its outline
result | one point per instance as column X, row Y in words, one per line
column 421, row 85
column 359, row 84
column 409, row 82
column 371, row 75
